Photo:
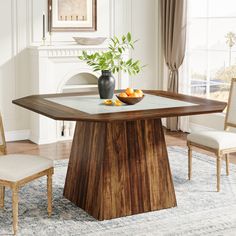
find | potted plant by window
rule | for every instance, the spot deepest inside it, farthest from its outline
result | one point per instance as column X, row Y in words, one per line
column 112, row 61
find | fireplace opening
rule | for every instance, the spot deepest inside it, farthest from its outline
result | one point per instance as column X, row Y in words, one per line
column 82, row 82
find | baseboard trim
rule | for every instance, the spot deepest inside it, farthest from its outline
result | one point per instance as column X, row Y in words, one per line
column 40, row 141
column 17, row 135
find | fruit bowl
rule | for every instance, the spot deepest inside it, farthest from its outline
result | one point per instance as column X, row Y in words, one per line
column 130, row 100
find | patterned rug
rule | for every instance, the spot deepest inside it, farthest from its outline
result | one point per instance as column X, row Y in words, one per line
column 201, row 210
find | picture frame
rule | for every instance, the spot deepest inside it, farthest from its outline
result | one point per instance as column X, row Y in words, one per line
column 72, row 15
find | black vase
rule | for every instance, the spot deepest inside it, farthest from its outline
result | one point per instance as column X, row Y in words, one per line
column 106, row 85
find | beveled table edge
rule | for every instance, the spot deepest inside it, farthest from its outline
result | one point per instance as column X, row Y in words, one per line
column 38, row 104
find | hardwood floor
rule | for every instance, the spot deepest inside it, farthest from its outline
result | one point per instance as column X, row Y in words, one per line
column 54, row 151
column 61, row 150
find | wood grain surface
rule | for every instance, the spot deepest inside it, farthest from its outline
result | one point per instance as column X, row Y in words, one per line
column 39, row 104
column 119, row 169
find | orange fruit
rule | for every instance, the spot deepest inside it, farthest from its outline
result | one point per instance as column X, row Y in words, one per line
column 140, row 92
column 129, row 91
column 117, row 102
column 123, row 95
column 135, row 95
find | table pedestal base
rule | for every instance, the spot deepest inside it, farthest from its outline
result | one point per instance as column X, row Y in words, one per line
column 119, row 168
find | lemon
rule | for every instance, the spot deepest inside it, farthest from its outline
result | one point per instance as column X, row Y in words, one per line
column 108, row 102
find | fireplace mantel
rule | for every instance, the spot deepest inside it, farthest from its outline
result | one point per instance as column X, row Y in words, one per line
column 50, row 68
column 64, row 50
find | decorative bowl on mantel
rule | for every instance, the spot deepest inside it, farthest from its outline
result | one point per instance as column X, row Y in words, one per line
column 89, row 41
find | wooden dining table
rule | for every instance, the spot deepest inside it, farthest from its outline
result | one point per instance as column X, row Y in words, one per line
column 119, row 164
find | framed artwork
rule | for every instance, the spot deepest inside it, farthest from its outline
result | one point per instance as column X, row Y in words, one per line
column 72, row 15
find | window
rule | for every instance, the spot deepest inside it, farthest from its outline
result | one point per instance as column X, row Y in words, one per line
column 211, row 50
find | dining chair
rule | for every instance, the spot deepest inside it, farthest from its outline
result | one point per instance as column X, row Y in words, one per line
column 16, row 170
column 221, row 143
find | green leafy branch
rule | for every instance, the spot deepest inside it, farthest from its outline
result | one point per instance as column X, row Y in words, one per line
column 112, row 59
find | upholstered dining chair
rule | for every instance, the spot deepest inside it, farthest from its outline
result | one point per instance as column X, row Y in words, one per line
column 19, row 169
column 221, row 143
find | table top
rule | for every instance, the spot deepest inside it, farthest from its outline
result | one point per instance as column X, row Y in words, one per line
column 87, row 106
column 92, row 104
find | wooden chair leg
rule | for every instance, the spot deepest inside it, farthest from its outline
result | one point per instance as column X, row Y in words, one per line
column 49, row 192
column 227, row 164
column 2, row 196
column 218, row 172
column 189, row 162
column 15, row 209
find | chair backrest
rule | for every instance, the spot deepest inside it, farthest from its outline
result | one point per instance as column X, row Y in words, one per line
column 3, row 147
column 230, row 120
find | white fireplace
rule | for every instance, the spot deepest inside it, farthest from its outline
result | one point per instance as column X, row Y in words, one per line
column 57, row 69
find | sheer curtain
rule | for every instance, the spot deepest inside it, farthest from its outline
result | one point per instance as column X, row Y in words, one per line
column 185, row 88
column 210, row 58
column 185, row 81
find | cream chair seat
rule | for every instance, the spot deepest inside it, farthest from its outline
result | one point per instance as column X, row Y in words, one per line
column 17, row 167
column 18, row 170
column 221, row 143
column 214, row 139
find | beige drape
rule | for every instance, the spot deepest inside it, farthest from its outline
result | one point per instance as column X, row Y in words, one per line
column 174, row 22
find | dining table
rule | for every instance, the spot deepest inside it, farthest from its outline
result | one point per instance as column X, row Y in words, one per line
column 118, row 165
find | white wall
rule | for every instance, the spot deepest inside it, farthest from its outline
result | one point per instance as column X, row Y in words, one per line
column 13, row 63
column 140, row 17
column 21, row 26
column 38, row 7
column 145, row 29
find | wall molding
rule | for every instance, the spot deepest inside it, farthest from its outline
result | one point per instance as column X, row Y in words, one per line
column 40, row 141
column 17, row 135
column 64, row 51
column 15, row 39
column 112, row 18
column 159, row 51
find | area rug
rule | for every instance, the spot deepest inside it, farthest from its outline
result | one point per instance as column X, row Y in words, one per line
column 201, row 210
